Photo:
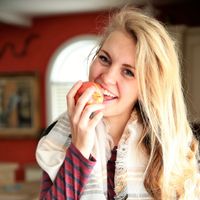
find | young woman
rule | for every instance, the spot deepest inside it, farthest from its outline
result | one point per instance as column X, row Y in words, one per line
column 138, row 144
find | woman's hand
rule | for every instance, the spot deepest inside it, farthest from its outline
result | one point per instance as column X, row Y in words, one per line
column 84, row 118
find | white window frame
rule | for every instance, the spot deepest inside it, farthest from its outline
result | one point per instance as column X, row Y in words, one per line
column 51, row 65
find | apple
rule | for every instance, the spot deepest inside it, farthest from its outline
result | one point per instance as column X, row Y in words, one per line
column 97, row 96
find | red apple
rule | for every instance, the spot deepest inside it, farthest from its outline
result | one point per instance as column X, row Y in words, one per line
column 97, row 96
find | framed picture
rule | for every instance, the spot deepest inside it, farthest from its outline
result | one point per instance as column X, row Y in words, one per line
column 19, row 105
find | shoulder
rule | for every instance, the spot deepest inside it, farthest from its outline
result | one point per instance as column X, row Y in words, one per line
column 48, row 129
column 61, row 124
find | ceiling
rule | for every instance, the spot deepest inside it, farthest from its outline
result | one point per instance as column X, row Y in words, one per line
column 21, row 12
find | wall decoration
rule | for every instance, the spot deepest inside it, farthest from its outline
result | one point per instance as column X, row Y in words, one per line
column 19, row 105
column 22, row 52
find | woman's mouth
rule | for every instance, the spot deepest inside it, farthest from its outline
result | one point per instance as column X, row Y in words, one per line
column 108, row 96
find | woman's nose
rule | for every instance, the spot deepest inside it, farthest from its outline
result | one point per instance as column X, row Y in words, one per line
column 110, row 75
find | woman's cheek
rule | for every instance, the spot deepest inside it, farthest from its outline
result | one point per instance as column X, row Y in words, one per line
column 94, row 72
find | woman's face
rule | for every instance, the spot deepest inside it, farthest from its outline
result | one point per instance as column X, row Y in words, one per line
column 114, row 69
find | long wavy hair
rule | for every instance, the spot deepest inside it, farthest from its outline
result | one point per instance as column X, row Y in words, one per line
column 172, row 170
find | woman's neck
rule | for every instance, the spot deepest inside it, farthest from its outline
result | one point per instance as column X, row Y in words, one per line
column 116, row 127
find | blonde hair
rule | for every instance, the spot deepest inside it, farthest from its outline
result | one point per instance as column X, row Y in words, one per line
column 172, row 171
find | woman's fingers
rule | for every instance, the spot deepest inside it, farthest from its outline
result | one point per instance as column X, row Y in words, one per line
column 82, row 102
column 86, row 120
column 96, row 119
column 84, row 136
column 80, row 112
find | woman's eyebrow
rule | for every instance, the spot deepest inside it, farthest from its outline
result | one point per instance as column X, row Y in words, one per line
column 124, row 64
column 107, row 54
column 129, row 66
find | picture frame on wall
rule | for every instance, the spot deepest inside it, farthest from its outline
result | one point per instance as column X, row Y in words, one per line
column 19, row 105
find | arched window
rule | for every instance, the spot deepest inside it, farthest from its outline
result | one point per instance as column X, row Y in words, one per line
column 69, row 64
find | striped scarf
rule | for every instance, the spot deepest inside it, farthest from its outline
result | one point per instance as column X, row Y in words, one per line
column 131, row 160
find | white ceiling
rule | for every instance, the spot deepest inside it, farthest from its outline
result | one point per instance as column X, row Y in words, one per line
column 20, row 12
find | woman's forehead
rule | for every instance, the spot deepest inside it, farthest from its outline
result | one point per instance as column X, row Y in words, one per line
column 120, row 45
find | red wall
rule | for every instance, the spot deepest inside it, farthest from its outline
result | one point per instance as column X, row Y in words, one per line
column 50, row 33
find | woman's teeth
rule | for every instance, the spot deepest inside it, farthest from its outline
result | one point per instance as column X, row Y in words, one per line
column 107, row 93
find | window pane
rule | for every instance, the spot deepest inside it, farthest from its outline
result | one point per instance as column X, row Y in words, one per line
column 70, row 65
column 58, row 97
column 72, row 62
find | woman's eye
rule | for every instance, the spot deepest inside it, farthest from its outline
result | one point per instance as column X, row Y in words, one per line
column 128, row 72
column 104, row 59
